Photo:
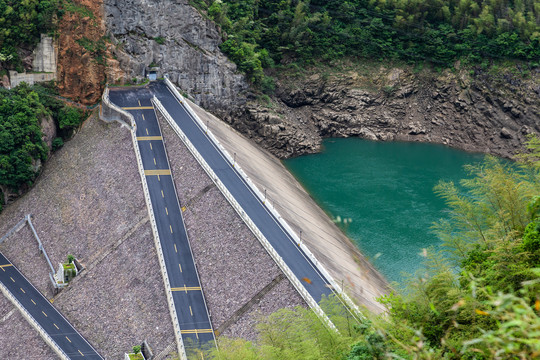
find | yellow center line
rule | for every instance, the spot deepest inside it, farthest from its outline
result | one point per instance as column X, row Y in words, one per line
column 44, row 313
column 23, row 291
column 175, row 249
column 162, row 195
column 139, row 101
column 186, row 288
column 158, row 178
column 151, row 146
column 180, row 266
column 68, row 339
column 81, row 353
column 138, row 108
column 33, row 301
column 149, row 138
column 193, row 331
column 143, row 117
column 166, row 210
column 190, row 311
column 157, row 172
column 56, row 326
column 12, row 279
column 3, row 266
column 146, row 131
column 155, row 161
column 170, row 227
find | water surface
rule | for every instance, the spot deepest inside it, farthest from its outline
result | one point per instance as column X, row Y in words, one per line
column 386, row 188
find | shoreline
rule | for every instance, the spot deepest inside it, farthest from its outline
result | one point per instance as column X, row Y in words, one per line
column 328, row 243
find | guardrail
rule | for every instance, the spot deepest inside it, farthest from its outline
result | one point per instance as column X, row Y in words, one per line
column 28, row 219
column 344, row 297
column 339, row 290
column 34, row 323
column 13, row 230
column 170, row 300
column 260, row 236
column 187, row 237
column 40, row 244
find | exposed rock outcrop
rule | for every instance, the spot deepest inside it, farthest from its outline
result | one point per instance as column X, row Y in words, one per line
column 175, row 39
column 481, row 112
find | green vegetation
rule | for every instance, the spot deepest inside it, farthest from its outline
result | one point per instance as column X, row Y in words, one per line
column 83, row 11
column 69, row 269
column 21, row 23
column 259, row 34
column 21, row 145
column 478, row 298
column 137, row 355
column 96, row 48
column 160, row 40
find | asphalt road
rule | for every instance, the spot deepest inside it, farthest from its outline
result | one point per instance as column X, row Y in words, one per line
column 59, row 329
column 188, row 297
column 315, row 283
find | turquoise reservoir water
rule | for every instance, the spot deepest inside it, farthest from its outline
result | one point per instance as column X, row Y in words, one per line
column 386, row 188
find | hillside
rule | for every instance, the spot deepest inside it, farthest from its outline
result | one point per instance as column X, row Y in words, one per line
column 285, row 74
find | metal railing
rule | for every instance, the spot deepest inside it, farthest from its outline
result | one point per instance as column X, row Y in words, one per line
column 296, row 238
column 170, row 300
column 187, row 236
column 13, row 230
column 28, row 219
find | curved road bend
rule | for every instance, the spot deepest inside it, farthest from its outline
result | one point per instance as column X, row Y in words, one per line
column 193, row 317
column 315, row 282
column 73, row 344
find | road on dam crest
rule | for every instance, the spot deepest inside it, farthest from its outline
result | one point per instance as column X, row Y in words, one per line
column 178, row 257
column 188, row 298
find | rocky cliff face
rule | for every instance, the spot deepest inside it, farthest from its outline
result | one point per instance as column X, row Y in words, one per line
column 491, row 113
column 172, row 37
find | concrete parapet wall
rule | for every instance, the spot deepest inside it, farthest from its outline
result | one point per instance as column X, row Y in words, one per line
column 29, row 78
column 107, row 113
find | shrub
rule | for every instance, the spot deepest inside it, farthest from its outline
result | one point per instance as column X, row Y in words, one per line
column 57, row 143
column 70, row 117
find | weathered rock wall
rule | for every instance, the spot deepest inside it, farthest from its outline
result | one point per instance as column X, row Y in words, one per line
column 173, row 36
column 491, row 113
